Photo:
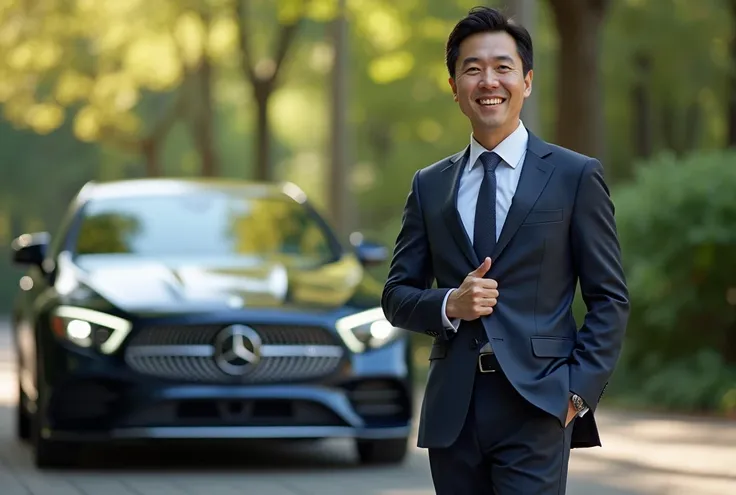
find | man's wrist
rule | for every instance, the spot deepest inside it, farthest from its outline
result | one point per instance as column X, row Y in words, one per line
column 446, row 322
column 450, row 306
column 577, row 403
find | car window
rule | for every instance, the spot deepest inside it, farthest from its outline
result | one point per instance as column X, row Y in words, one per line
column 203, row 224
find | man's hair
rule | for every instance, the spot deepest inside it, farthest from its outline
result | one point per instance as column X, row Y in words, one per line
column 488, row 20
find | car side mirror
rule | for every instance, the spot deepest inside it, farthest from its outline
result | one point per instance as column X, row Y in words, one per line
column 369, row 253
column 30, row 249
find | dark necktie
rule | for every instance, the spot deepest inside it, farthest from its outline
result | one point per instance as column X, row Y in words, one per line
column 484, row 231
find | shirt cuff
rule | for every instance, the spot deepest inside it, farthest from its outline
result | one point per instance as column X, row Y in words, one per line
column 449, row 325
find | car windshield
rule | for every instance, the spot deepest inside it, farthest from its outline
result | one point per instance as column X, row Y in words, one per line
column 204, row 224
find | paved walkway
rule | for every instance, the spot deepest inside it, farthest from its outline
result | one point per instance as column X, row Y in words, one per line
column 642, row 455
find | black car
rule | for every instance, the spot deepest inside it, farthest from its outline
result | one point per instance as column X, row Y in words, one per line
column 191, row 309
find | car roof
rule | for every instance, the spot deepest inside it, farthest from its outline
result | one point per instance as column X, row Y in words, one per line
column 132, row 188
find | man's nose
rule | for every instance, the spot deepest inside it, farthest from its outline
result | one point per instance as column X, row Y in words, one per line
column 489, row 79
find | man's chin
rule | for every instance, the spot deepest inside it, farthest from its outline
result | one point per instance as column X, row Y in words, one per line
column 488, row 125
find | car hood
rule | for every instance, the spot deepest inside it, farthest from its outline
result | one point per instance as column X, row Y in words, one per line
column 136, row 285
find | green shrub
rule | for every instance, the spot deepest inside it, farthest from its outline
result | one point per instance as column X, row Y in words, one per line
column 677, row 225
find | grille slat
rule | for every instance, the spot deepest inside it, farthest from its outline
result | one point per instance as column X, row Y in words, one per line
column 187, row 353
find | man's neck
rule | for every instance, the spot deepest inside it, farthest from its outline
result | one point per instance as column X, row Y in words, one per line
column 490, row 138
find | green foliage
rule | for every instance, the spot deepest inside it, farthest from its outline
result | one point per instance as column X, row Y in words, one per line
column 677, row 225
column 696, row 383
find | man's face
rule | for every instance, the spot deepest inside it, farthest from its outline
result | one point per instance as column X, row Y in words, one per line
column 489, row 82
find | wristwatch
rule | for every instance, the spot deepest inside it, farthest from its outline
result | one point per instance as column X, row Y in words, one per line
column 578, row 402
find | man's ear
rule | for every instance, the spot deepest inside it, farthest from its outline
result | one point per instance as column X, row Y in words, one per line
column 528, row 83
column 454, row 88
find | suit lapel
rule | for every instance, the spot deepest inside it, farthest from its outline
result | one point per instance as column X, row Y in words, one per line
column 449, row 208
column 534, row 177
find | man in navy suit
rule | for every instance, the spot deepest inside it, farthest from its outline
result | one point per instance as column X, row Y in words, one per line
column 506, row 229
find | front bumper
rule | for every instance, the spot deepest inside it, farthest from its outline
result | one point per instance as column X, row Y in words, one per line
column 366, row 409
column 98, row 398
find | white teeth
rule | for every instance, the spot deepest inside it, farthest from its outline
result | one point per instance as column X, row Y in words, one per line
column 490, row 101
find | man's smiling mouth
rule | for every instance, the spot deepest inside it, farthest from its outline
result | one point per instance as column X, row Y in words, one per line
column 495, row 100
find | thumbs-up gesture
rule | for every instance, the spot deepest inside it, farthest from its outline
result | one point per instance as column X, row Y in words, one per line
column 475, row 297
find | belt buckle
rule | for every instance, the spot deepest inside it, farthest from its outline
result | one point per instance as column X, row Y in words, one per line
column 480, row 363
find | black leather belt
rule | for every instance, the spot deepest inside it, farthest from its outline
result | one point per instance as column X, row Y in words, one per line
column 487, row 361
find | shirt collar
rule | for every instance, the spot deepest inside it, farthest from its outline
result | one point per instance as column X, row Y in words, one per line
column 510, row 149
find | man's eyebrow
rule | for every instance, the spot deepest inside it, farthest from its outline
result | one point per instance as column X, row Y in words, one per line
column 497, row 58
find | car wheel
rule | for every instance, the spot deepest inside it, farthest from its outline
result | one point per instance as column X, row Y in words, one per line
column 22, row 418
column 390, row 451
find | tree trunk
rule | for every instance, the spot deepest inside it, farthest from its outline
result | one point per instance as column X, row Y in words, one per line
column 669, row 135
column 692, row 127
column 149, row 150
column 339, row 180
column 732, row 81
column 579, row 93
column 642, row 108
column 264, row 84
column 525, row 13
column 262, row 92
column 205, row 122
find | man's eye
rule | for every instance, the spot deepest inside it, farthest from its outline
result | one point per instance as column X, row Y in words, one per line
column 473, row 69
column 504, row 67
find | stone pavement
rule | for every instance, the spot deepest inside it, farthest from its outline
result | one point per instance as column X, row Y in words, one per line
column 642, row 455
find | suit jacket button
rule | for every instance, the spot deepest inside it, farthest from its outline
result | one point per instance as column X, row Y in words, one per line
column 474, row 344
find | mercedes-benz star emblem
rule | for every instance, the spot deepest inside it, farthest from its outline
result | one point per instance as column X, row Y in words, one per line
column 237, row 349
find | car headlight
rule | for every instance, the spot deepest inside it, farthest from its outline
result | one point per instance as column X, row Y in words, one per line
column 366, row 330
column 90, row 328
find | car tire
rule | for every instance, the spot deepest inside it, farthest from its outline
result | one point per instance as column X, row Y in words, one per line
column 22, row 418
column 389, row 451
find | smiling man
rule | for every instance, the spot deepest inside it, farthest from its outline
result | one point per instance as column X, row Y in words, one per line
column 507, row 228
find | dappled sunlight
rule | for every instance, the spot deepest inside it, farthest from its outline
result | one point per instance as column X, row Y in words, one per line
column 381, row 23
column 299, row 117
column 189, row 30
column 308, row 169
column 685, row 446
column 630, row 478
column 430, row 130
column 154, row 62
column 391, row 67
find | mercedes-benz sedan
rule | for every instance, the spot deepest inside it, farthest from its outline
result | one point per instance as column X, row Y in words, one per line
column 192, row 309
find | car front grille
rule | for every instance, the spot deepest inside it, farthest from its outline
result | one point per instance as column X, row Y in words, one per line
column 190, row 353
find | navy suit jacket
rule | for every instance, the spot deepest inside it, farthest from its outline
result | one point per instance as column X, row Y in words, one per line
column 560, row 231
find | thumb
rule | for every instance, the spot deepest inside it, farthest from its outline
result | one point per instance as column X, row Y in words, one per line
column 483, row 268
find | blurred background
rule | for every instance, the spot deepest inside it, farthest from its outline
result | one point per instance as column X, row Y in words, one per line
column 348, row 98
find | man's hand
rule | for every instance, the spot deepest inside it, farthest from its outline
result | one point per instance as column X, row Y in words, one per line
column 571, row 412
column 475, row 297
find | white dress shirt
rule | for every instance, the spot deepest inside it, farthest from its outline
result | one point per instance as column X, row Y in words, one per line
column 512, row 151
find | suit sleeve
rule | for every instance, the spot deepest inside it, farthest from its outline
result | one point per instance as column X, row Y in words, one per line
column 408, row 300
column 597, row 260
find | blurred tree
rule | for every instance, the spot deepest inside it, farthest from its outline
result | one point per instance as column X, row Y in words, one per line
column 126, row 72
column 580, row 124
column 664, row 65
column 202, row 117
column 525, row 13
column 341, row 204
column 263, row 72
column 732, row 77
column 96, row 60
